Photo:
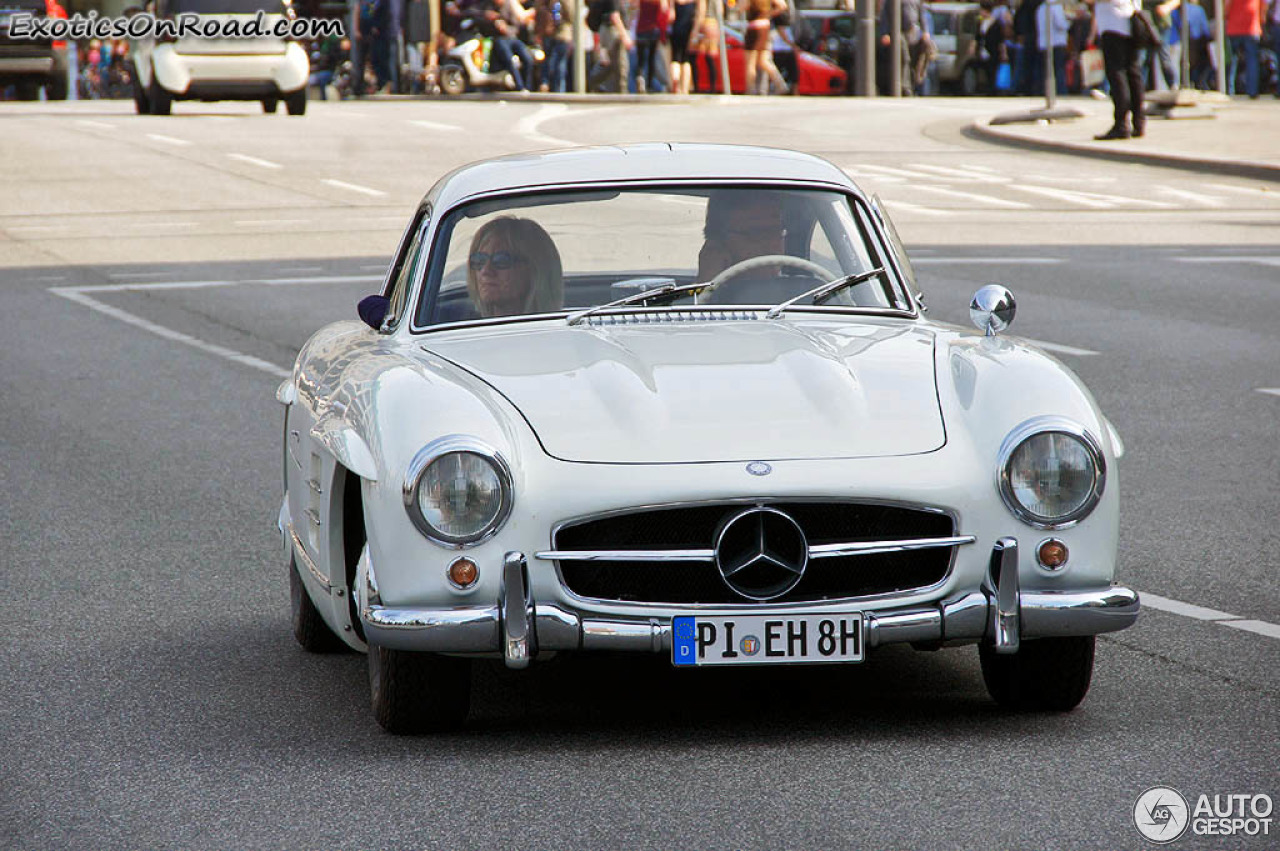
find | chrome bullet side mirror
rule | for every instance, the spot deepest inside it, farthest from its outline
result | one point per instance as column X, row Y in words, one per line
column 992, row 309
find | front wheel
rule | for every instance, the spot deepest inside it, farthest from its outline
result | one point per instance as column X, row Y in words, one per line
column 309, row 628
column 453, row 79
column 1045, row 674
column 269, row 105
column 140, row 101
column 418, row 692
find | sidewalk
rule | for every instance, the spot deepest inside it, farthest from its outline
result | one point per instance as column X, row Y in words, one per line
column 1242, row 137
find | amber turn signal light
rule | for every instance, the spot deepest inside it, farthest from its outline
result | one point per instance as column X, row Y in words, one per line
column 463, row 573
column 1052, row 554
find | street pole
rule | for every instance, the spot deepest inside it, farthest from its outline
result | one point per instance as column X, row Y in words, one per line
column 724, row 50
column 1220, row 44
column 866, row 82
column 1050, row 84
column 895, row 48
column 579, row 49
column 1184, row 46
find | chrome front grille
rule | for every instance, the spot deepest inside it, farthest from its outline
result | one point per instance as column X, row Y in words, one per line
column 667, row 555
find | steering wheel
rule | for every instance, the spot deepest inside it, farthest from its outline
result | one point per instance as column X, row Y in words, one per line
column 763, row 261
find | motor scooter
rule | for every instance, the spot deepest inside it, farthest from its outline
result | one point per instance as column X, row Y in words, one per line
column 467, row 66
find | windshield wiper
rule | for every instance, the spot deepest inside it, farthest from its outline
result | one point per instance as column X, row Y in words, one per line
column 821, row 293
column 671, row 292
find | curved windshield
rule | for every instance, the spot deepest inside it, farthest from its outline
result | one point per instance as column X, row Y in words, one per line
column 571, row 251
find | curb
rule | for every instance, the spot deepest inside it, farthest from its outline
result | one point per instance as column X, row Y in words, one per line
column 981, row 129
column 552, row 97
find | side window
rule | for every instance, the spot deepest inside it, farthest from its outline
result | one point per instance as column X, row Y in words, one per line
column 407, row 274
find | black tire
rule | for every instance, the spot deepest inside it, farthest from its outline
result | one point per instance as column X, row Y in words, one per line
column 27, row 90
column 159, row 97
column 309, row 627
column 416, row 693
column 269, row 105
column 296, row 102
column 56, row 88
column 1050, row 674
column 453, row 79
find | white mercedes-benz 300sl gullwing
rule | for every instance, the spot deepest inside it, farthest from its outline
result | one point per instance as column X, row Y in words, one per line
column 683, row 399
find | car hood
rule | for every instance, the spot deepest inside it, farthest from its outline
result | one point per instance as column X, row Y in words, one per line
column 713, row 391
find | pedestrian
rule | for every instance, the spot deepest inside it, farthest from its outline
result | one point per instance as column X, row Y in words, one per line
column 555, row 33
column 996, row 33
column 1244, row 31
column 1200, row 33
column 1112, row 20
column 1026, row 70
column 610, row 73
column 651, row 30
column 915, row 43
column 705, row 44
column 687, row 15
column 1274, row 19
column 1051, row 31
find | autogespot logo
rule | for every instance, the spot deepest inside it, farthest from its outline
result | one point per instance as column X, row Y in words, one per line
column 1161, row 814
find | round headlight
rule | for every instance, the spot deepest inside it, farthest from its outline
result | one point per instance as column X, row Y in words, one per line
column 1053, row 476
column 458, row 491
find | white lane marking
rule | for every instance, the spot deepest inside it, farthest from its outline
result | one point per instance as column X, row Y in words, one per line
column 1187, row 610
column 1061, row 349
column 1200, row 613
column 98, row 125
column 915, row 208
column 191, row 285
column 223, row 352
column 342, row 184
column 296, row 269
column 261, row 163
column 1252, row 191
column 1260, row 627
column 895, row 172
column 1193, row 197
column 374, row 268
column 1261, row 260
column 36, row 228
column 1274, row 391
column 80, row 295
column 972, row 196
column 857, row 174
column 989, row 261
column 168, row 140
column 257, row 223
column 154, row 225
column 964, row 174
column 436, row 125
column 528, row 126
column 1096, row 200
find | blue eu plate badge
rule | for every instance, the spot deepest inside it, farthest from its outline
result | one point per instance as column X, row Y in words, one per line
column 684, row 641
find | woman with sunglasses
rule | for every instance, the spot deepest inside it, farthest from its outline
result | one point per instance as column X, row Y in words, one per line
column 514, row 269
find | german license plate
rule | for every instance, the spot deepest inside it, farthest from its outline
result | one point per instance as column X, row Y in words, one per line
column 766, row 639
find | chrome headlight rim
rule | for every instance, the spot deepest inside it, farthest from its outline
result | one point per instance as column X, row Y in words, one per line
column 1051, row 425
column 434, row 451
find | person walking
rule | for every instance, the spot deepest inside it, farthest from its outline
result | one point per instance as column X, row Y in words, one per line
column 687, row 15
column 760, row 14
column 1112, row 20
column 1244, row 31
column 651, row 29
column 613, row 55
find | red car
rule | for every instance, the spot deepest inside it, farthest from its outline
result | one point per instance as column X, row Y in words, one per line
column 809, row 73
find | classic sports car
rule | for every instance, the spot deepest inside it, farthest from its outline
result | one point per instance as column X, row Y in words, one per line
column 682, row 399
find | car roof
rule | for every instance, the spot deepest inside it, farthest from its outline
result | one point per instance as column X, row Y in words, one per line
column 640, row 163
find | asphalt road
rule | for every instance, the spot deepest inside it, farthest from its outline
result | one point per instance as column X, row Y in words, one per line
column 157, row 276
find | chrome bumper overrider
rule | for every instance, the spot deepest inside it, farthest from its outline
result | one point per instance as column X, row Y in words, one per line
column 519, row 627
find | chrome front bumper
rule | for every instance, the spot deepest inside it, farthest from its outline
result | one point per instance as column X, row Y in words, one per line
column 519, row 627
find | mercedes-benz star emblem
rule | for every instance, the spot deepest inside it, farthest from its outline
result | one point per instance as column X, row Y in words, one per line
column 759, row 468
column 762, row 553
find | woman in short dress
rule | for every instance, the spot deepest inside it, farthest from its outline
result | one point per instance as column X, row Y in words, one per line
column 760, row 14
column 687, row 13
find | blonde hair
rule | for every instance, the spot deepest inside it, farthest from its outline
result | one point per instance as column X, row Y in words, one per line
column 526, row 238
